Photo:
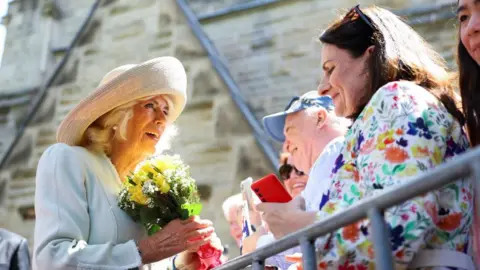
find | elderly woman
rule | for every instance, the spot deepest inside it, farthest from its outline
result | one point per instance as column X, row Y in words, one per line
column 79, row 225
column 396, row 89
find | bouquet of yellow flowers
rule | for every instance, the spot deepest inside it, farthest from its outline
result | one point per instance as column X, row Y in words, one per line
column 161, row 190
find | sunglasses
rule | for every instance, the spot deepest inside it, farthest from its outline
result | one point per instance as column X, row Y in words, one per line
column 295, row 98
column 286, row 169
column 356, row 13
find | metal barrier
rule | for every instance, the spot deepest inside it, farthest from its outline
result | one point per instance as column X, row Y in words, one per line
column 465, row 165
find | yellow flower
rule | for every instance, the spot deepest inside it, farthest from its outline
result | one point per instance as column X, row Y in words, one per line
column 384, row 139
column 140, row 177
column 364, row 247
column 420, row 152
column 368, row 113
column 341, row 250
column 164, row 163
column 160, row 182
column 410, row 170
column 146, row 168
column 437, row 156
column 330, row 207
column 137, row 195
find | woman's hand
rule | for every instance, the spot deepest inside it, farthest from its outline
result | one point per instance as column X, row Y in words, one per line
column 189, row 260
column 177, row 236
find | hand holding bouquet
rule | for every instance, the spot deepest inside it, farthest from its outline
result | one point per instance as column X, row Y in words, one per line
column 161, row 190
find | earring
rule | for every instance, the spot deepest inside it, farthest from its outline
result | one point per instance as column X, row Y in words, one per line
column 114, row 127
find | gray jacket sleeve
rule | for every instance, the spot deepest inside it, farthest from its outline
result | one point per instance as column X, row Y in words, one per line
column 62, row 219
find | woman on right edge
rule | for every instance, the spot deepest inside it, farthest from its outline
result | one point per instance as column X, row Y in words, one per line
column 468, row 53
column 396, row 89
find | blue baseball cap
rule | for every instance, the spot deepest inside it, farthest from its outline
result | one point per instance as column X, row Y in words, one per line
column 275, row 123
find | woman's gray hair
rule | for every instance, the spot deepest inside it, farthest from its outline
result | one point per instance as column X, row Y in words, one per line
column 99, row 134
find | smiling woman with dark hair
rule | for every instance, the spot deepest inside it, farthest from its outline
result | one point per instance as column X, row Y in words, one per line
column 468, row 14
column 468, row 59
column 397, row 90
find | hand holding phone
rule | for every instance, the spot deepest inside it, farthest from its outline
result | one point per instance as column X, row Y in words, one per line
column 270, row 189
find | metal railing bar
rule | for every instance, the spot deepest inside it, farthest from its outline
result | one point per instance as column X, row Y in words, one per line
column 309, row 255
column 436, row 178
column 475, row 167
column 235, row 93
column 425, row 9
column 381, row 240
column 234, row 9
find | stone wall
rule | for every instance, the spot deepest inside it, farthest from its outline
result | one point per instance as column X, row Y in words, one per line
column 274, row 53
column 214, row 139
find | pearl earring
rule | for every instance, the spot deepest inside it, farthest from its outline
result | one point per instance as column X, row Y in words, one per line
column 114, row 127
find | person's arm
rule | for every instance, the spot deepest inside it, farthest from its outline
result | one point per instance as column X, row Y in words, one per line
column 62, row 219
column 403, row 132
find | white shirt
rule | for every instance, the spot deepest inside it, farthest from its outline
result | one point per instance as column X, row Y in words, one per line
column 314, row 193
column 320, row 174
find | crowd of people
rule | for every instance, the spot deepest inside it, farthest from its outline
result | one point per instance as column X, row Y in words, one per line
column 385, row 111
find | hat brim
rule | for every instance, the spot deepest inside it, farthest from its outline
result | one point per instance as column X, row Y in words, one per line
column 159, row 76
column 274, row 125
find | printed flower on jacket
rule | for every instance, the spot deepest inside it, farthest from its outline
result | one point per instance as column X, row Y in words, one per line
column 385, row 139
column 368, row 147
column 450, row 222
column 396, row 155
column 420, row 128
column 351, row 232
column 420, row 152
column 396, row 237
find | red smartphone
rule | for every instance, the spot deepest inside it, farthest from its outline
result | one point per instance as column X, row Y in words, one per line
column 270, row 189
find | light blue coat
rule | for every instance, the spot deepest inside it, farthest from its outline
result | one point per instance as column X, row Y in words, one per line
column 78, row 223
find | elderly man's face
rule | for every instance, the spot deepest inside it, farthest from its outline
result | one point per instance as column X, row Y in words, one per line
column 147, row 124
column 235, row 223
column 299, row 132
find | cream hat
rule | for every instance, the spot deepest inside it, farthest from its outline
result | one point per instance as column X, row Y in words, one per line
column 159, row 76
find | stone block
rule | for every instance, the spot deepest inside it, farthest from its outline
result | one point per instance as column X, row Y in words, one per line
column 164, row 20
column 22, row 151
column 46, row 112
column 206, row 84
column 186, row 44
column 250, row 162
column 125, row 7
column 132, row 29
column 228, row 120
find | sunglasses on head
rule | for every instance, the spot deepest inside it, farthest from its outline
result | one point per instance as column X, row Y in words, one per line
column 295, row 98
column 356, row 13
column 286, row 169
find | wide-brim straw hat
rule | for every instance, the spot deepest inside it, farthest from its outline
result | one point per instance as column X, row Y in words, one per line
column 159, row 76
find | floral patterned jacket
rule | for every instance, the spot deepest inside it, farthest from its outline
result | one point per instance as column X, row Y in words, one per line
column 403, row 131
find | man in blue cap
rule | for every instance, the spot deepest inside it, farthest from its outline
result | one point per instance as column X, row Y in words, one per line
column 313, row 135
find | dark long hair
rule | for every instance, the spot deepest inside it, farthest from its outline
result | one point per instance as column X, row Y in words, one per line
column 399, row 53
column 469, row 72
